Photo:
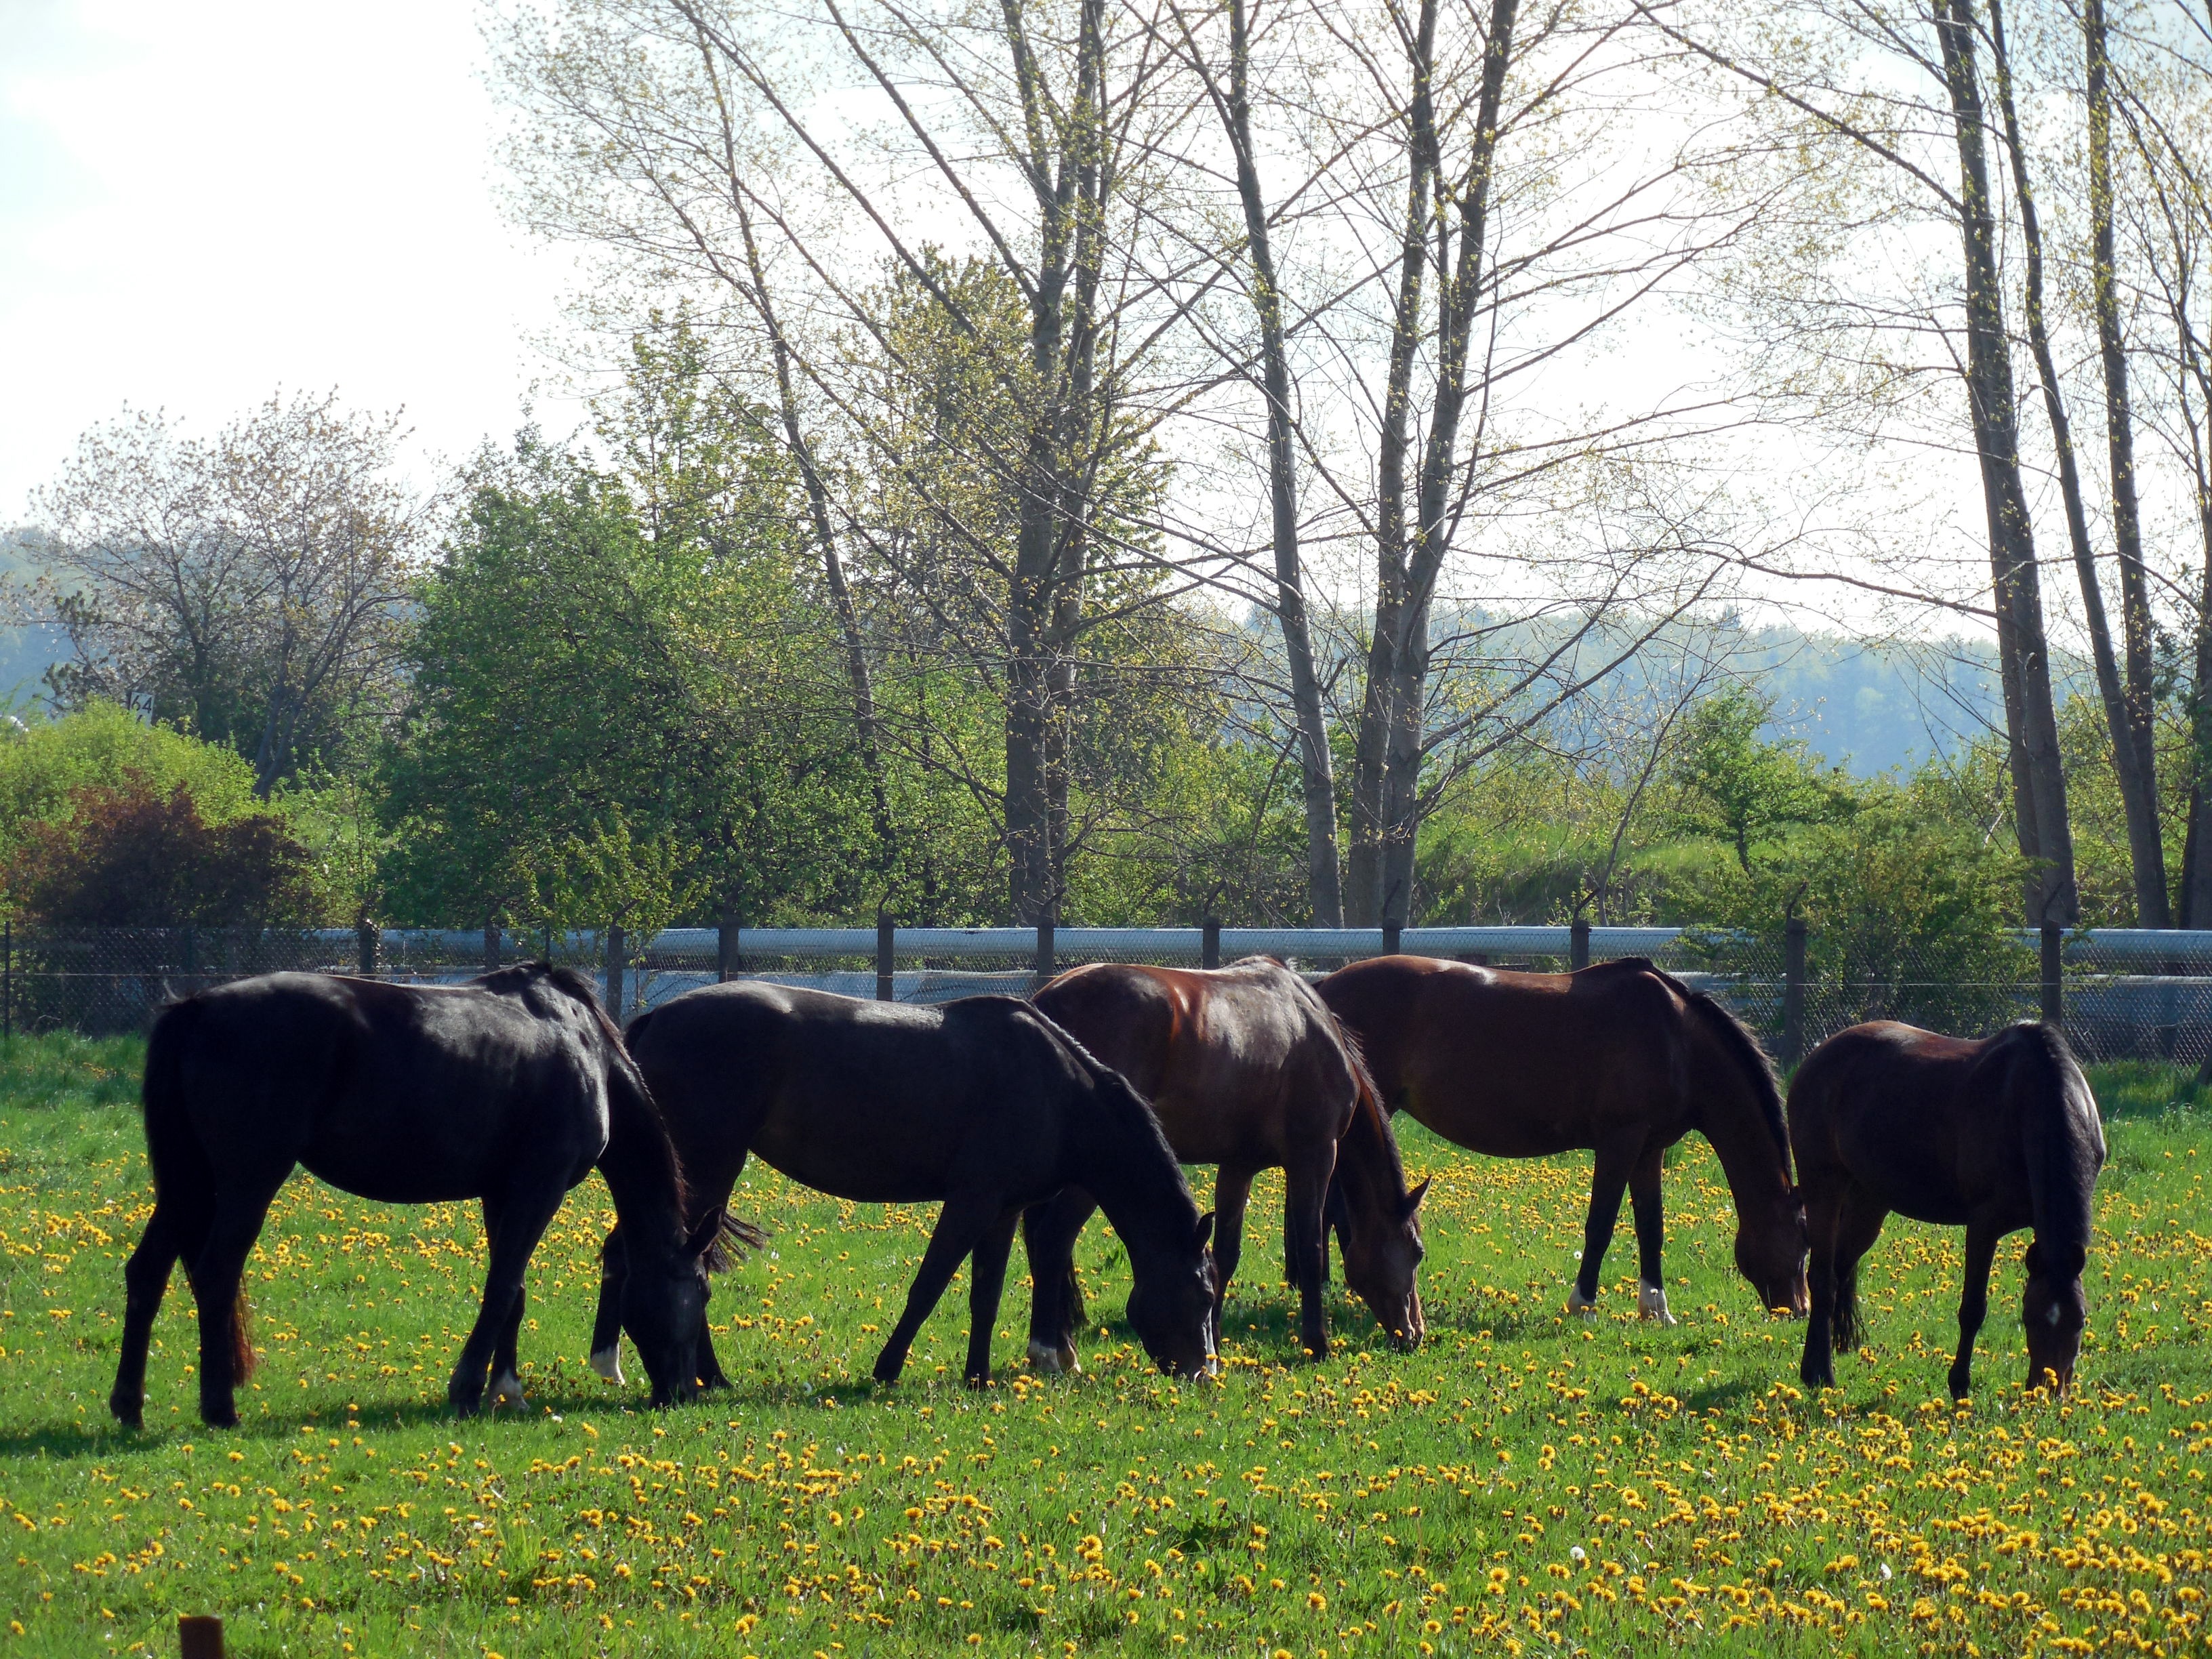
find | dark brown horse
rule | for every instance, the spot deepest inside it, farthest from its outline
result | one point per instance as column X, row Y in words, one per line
column 982, row 1103
column 1246, row 1070
column 1992, row 1136
column 1622, row 1059
column 507, row 1089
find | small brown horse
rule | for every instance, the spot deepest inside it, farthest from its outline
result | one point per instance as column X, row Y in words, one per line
column 1991, row 1136
column 1620, row 1058
column 1247, row 1070
column 981, row 1103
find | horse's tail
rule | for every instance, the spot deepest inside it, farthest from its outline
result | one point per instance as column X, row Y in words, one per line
column 184, row 1175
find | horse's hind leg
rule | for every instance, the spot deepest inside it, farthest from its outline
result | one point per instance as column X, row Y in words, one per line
column 1856, row 1232
column 145, row 1280
column 506, row 1362
column 225, row 1354
column 522, row 1224
column 1609, row 1179
column 1049, row 1231
column 1973, row 1303
column 987, row 1282
column 1304, row 1205
column 961, row 1225
column 1649, row 1210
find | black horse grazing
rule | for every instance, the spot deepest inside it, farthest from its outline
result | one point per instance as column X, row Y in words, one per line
column 1992, row 1135
column 983, row 1104
column 507, row 1089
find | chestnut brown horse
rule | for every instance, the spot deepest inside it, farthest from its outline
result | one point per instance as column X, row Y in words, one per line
column 1248, row 1071
column 1622, row 1059
column 1992, row 1136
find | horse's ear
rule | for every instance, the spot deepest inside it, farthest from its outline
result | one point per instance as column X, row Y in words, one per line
column 703, row 1235
column 1204, row 1229
column 1413, row 1198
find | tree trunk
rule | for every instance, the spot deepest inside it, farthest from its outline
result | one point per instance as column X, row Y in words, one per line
column 2145, row 841
column 1317, row 771
column 2038, row 781
column 2131, row 761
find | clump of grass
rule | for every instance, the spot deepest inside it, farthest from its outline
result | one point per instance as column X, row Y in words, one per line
column 2145, row 1088
column 61, row 1070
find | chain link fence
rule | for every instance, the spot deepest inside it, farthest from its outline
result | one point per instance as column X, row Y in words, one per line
column 2123, row 994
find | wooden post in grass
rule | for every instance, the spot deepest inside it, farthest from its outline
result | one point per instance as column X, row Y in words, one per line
column 1793, row 991
column 1578, row 945
column 1209, row 943
column 886, row 957
column 199, row 1636
column 615, row 972
column 2054, row 993
column 1045, row 964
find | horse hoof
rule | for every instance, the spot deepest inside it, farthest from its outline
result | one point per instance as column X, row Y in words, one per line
column 219, row 1417
column 1579, row 1303
column 1651, row 1303
column 976, row 1382
column 129, row 1412
column 1044, row 1359
column 506, row 1390
column 607, row 1362
column 1068, row 1362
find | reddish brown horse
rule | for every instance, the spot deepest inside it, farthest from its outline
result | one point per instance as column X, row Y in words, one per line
column 1620, row 1059
column 1246, row 1070
column 1991, row 1136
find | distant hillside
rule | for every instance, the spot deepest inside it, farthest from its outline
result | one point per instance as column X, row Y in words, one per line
column 26, row 651
column 1871, row 707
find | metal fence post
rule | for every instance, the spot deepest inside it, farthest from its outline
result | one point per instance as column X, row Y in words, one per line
column 2054, row 996
column 1793, row 991
column 886, row 958
column 1209, row 943
column 366, row 935
column 1045, row 968
column 1578, row 945
column 491, row 946
column 727, row 962
column 1393, row 932
column 615, row 971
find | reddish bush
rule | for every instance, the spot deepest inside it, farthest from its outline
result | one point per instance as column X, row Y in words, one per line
column 128, row 856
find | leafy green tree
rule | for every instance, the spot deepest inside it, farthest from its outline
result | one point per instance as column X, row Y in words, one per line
column 1746, row 789
column 614, row 723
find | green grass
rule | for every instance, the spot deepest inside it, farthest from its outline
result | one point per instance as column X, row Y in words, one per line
column 1374, row 1504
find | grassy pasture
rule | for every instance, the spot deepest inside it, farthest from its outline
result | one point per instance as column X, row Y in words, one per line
column 1525, row 1483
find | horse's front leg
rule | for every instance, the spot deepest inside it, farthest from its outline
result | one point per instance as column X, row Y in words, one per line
column 1304, row 1206
column 606, row 1324
column 1609, row 1179
column 522, row 1222
column 1973, row 1302
column 506, row 1362
column 961, row 1225
column 1817, row 1368
column 1049, row 1231
column 1232, row 1191
column 987, row 1282
column 1650, row 1212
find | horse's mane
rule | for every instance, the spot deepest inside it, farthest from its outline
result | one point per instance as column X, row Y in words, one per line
column 1735, row 1037
column 1142, row 1120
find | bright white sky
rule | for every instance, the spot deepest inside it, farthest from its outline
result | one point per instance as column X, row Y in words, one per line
column 202, row 201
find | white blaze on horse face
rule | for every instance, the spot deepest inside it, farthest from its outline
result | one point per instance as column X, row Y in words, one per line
column 1651, row 1302
column 607, row 1362
column 2053, row 1317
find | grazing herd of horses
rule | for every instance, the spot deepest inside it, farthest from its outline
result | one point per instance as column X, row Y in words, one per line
column 1027, row 1114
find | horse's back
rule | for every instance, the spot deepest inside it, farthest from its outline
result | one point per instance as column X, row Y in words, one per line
column 876, row 1101
column 1926, row 1124
column 1514, row 1064
column 403, row 1094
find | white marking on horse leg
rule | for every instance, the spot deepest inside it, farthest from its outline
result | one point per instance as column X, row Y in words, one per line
column 1579, row 1303
column 1044, row 1359
column 1651, row 1302
column 607, row 1362
column 1069, row 1363
column 506, row 1390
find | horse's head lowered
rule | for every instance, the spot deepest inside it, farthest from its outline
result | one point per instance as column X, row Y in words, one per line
column 2053, row 1313
column 1382, row 1255
column 663, row 1299
column 1771, row 1249
column 1171, row 1305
